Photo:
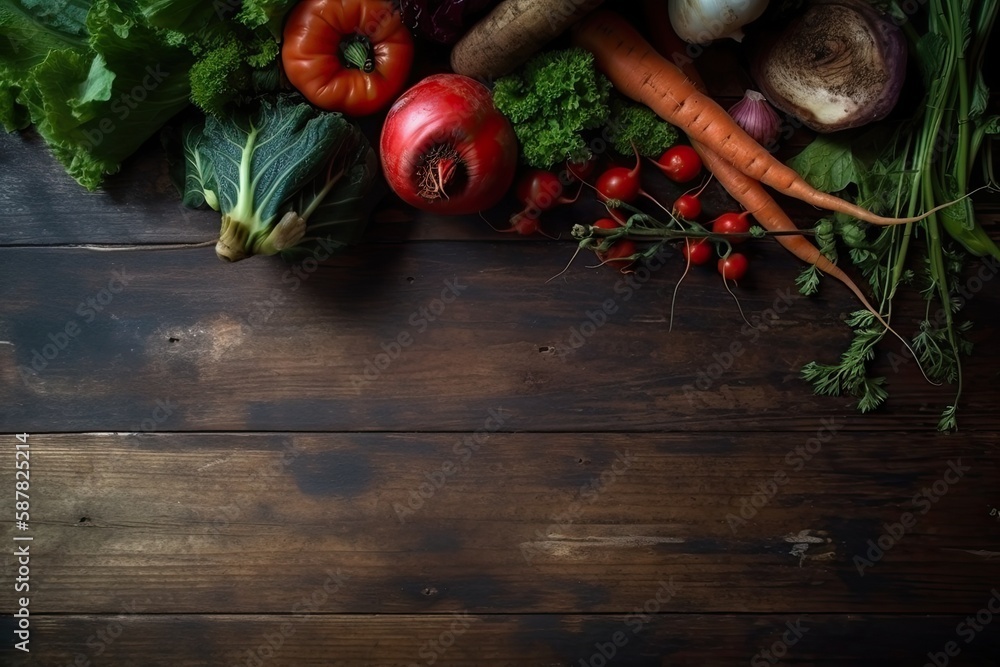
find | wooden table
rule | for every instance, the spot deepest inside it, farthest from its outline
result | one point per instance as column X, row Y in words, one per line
column 427, row 452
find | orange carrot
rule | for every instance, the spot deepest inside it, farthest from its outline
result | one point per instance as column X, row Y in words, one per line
column 754, row 198
column 639, row 72
column 663, row 37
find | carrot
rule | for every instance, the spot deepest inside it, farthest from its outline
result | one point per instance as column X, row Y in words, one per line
column 513, row 32
column 639, row 72
column 663, row 37
column 754, row 198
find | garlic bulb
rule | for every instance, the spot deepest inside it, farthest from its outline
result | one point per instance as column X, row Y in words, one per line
column 702, row 21
column 757, row 118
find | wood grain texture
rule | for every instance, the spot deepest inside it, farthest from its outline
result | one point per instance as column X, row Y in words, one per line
column 429, row 337
column 44, row 206
column 141, row 205
column 548, row 640
column 214, row 475
column 512, row 523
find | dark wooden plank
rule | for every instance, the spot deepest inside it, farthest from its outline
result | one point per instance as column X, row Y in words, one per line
column 140, row 205
column 565, row 523
column 44, row 206
column 214, row 340
column 652, row 640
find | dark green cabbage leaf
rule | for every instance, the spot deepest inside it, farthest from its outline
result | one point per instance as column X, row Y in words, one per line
column 285, row 176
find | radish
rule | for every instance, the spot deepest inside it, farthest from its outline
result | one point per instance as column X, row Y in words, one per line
column 537, row 190
column 622, row 184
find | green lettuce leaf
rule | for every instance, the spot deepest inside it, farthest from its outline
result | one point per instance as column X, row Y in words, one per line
column 95, row 80
column 29, row 31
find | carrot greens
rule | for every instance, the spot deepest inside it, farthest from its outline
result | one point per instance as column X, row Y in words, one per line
column 931, row 158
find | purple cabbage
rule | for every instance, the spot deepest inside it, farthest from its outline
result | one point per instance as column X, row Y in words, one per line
column 442, row 21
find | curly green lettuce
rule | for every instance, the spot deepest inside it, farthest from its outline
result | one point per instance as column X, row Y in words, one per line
column 631, row 124
column 551, row 102
column 73, row 69
column 98, row 78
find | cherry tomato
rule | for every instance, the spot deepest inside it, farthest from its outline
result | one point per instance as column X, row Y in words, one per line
column 733, row 267
column 698, row 251
column 687, row 207
column 680, row 163
column 732, row 223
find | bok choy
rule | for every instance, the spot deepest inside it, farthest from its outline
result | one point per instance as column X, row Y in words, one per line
column 283, row 175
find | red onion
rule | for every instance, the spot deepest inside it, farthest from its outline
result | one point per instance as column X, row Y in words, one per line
column 757, row 117
column 445, row 148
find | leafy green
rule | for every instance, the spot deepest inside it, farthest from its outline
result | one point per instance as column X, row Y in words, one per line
column 828, row 164
column 924, row 162
column 551, row 101
column 280, row 174
column 233, row 42
column 27, row 34
column 91, row 76
column 198, row 174
column 265, row 13
column 336, row 203
column 100, row 77
column 636, row 124
column 219, row 76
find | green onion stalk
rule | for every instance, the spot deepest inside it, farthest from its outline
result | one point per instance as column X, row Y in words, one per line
column 931, row 160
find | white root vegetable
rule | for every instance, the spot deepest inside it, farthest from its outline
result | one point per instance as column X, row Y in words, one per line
column 703, row 21
column 513, row 32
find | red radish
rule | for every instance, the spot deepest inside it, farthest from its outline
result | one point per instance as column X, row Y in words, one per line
column 733, row 267
column 619, row 183
column 619, row 253
column 623, row 184
column 581, row 170
column 698, row 251
column 446, row 148
column 608, row 223
column 620, row 249
column 680, row 163
column 620, row 216
column 524, row 224
column 540, row 189
column 687, row 206
column 732, row 223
